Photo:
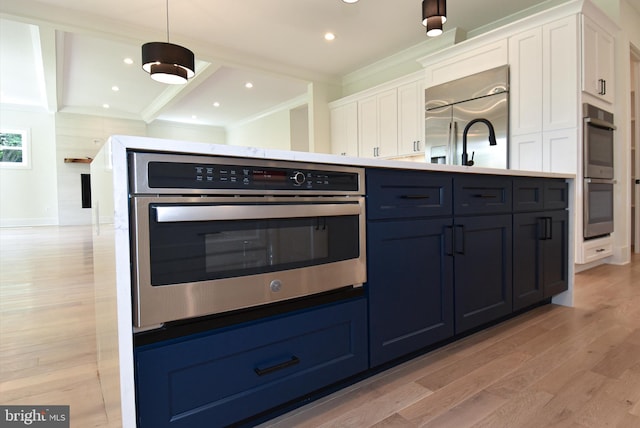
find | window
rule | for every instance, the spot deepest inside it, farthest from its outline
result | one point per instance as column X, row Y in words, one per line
column 14, row 149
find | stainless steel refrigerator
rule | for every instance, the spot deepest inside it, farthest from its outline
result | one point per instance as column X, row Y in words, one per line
column 450, row 107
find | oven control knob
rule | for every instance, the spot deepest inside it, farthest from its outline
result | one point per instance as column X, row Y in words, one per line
column 275, row 285
column 298, row 177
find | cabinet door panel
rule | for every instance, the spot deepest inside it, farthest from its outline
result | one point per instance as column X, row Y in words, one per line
column 556, row 253
column 411, row 118
column 561, row 90
column 527, row 259
column 368, row 127
column 344, row 130
column 410, row 287
column 388, row 124
column 525, row 82
column 483, row 282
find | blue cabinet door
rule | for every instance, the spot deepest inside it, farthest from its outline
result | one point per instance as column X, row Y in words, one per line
column 556, row 254
column 410, row 286
column 528, row 239
column 219, row 378
column 483, row 269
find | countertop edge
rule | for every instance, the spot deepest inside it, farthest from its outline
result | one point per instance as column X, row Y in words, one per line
column 186, row 147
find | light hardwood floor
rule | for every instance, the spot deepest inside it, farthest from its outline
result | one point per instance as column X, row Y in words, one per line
column 551, row 367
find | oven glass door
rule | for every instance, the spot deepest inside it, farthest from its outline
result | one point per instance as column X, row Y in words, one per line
column 598, row 151
column 201, row 242
column 598, row 207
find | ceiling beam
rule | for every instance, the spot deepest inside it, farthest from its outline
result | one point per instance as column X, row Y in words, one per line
column 174, row 93
column 49, row 67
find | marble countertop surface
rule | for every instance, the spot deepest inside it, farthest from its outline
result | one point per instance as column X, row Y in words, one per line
column 123, row 143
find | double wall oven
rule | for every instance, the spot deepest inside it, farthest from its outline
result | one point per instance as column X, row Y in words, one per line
column 214, row 235
column 598, row 171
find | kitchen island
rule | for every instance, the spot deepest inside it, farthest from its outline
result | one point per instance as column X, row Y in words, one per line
column 474, row 206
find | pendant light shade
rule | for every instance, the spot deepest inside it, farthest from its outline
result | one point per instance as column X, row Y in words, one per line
column 434, row 26
column 433, row 8
column 168, row 63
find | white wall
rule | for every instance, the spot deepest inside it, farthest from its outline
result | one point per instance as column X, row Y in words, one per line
column 272, row 131
column 178, row 131
column 81, row 136
column 28, row 197
column 299, row 125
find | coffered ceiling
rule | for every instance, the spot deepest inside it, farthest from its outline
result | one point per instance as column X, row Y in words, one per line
column 68, row 55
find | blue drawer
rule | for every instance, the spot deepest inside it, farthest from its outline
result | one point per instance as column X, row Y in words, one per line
column 224, row 377
column 479, row 194
column 406, row 194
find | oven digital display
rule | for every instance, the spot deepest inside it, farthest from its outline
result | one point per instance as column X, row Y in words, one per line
column 269, row 175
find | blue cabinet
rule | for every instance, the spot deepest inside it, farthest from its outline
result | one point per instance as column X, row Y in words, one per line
column 540, row 240
column 482, row 248
column 483, row 269
column 410, row 277
column 225, row 376
column 410, row 287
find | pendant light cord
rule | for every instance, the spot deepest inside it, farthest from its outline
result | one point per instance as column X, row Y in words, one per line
column 167, row 21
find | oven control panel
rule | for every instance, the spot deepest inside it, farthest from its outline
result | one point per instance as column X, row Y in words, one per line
column 255, row 175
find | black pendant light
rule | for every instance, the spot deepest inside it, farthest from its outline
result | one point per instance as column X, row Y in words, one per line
column 167, row 62
column 434, row 14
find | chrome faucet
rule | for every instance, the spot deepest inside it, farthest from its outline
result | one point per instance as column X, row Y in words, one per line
column 492, row 139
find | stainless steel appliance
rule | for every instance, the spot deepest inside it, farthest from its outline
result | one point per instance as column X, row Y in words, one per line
column 598, row 142
column 453, row 111
column 598, row 152
column 214, row 234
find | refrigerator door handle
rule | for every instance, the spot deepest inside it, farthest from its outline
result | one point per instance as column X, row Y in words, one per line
column 453, row 143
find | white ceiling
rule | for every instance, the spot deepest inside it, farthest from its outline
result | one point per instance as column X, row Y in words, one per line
column 65, row 55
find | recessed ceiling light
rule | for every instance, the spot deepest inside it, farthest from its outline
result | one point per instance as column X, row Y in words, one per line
column 216, row 104
column 350, row 1
column 105, row 105
column 128, row 61
column 248, row 85
column 329, row 36
column 114, row 88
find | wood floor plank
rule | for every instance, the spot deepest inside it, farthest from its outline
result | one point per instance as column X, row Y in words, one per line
column 467, row 413
column 456, row 392
column 520, row 408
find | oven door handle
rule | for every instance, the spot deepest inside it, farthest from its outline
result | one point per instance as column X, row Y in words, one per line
column 600, row 123
column 600, row 181
column 181, row 213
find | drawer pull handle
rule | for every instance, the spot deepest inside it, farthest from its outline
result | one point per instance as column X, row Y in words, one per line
column 292, row 362
column 600, row 250
column 415, row 197
column 480, row 195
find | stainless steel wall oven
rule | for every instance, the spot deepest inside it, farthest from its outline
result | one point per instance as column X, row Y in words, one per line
column 598, row 150
column 213, row 234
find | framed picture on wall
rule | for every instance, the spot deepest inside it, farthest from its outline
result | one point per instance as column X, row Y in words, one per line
column 14, row 148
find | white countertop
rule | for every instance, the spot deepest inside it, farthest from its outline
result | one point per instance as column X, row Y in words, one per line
column 186, row 147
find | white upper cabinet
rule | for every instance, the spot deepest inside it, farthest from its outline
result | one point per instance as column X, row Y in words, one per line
column 344, row 130
column 560, row 74
column 597, row 60
column 525, row 82
column 544, row 97
column 411, row 118
column 378, row 125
